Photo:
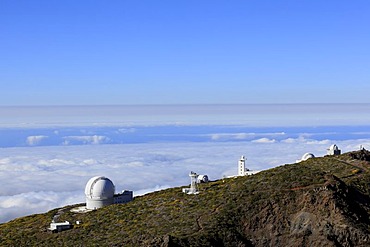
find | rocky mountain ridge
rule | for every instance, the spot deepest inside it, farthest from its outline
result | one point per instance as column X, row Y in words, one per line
column 319, row 202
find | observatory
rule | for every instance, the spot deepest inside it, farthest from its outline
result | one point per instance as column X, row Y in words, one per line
column 193, row 184
column 306, row 156
column 333, row 150
column 99, row 192
column 241, row 166
column 202, row 179
column 242, row 170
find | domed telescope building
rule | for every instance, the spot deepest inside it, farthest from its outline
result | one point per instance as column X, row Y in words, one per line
column 333, row 150
column 306, row 156
column 100, row 192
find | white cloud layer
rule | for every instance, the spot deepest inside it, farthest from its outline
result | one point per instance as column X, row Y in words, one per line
column 149, row 115
column 37, row 179
column 35, row 140
column 264, row 140
column 242, row 136
column 95, row 140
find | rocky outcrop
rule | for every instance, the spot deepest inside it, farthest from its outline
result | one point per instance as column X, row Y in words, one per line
column 363, row 154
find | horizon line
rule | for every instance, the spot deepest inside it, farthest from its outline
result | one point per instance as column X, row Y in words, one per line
column 183, row 104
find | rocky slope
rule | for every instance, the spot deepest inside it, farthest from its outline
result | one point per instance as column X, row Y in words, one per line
column 318, row 202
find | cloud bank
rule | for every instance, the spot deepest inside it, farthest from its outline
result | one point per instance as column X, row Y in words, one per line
column 95, row 140
column 35, row 140
column 159, row 115
column 37, row 179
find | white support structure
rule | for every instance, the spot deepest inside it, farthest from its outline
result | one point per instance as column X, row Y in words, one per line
column 193, row 184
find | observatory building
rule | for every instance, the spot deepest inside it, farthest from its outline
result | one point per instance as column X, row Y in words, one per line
column 306, row 156
column 241, row 166
column 242, row 170
column 202, row 179
column 333, row 150
column 100, row 192
column 194, row 180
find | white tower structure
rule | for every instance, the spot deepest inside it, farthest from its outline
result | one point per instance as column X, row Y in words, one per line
column 333, row 150
column 99, row 192
column 241, row 166
column 193, row 185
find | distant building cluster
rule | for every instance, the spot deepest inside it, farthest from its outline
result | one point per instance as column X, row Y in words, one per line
column 332, row 150
column 243, row 170
column 100, row 191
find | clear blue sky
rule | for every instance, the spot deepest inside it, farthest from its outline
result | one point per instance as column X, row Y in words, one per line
column 184, row 52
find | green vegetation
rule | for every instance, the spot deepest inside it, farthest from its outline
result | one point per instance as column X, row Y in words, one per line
column 306, row 203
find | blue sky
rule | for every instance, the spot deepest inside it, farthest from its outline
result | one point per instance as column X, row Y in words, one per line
column 184, row 52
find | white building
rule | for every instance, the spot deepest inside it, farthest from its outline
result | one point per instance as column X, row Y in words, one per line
column 333, row 150
column 193, row 184
column 99, row 192
column 60, row 226
column 202, row 179
column 123, row 197
column 241, row 166
column 242, row 170
column 306, row 156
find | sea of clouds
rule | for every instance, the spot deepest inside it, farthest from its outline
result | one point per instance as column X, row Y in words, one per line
column 45, row 163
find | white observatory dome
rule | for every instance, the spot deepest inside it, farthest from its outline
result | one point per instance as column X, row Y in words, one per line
column 99, row 192
column 333, row 147
column 202, row 179
column 307, row 156
column 333, row 150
